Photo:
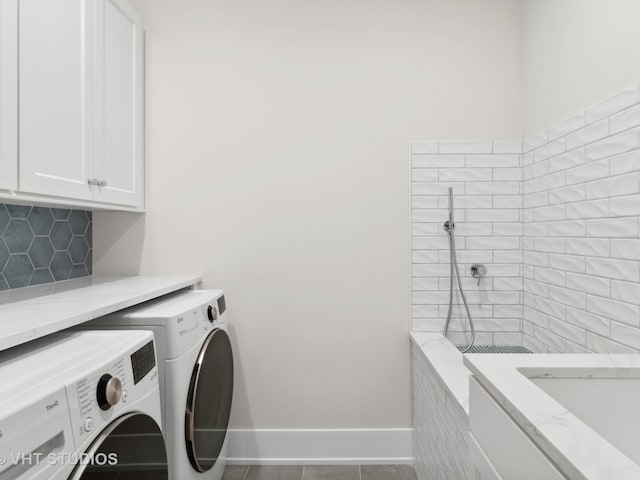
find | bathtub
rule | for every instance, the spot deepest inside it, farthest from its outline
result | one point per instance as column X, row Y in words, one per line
column 440, row 394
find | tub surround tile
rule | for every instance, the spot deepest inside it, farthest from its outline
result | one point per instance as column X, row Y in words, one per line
column 567, row 126
column 610, row 146
column 487, row 179
column 534, row 141
column 424, row 147
column 440, row 392
column 571, row 195
column 613, row 104
column 627, row 119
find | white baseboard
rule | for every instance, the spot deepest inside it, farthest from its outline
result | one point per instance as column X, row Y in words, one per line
column 320, row 447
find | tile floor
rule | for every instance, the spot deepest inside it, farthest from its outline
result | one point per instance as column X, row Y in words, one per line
column 319, row 472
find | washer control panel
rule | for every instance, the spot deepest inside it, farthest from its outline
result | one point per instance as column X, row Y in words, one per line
column 97, row 398
column 143, row 361
column 213, row 311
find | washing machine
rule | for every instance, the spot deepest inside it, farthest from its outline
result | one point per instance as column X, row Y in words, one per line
column 81, row 405
column 196, row 376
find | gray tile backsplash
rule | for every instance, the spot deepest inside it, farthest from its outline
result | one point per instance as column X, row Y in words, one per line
column 42, row 245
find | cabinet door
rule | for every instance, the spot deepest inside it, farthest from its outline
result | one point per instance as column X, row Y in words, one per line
column 9, row 94
column 119, row 103
column 56, row 97
column 507, row 447
column 480, row 467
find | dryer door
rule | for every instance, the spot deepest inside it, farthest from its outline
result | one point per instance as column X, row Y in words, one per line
column 130, row 448
column 209, row 401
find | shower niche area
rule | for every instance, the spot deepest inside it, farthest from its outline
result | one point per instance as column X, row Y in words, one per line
column 555, row 221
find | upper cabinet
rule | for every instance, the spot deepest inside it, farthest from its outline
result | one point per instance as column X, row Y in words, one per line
column 119, row 160
column 8, row 94
column 80, row 120
column 56, row 85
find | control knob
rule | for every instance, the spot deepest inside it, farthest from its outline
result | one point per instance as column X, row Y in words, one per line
column 212, row 313
column 109, row 391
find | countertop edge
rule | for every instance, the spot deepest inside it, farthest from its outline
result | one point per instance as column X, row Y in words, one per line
column 159, row 285
column 503, row 380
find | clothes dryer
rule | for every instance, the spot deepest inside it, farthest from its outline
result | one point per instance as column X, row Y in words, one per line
column 196, row 376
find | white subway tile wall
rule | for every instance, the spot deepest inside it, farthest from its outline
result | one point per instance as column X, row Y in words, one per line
column 556, row 219
column 487, row 182
column 441, row 426
column 585, row 296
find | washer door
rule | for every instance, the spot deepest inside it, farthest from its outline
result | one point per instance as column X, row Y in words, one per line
column 209, row 401
column 130, row 448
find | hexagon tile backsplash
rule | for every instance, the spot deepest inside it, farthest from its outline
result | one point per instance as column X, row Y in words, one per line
column 42, row 245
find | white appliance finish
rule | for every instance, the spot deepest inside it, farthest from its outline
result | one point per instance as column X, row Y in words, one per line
column 190, row 330
column 49, row 408
column 77, row 68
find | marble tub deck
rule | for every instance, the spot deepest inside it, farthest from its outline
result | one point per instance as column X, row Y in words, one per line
column 578, row 450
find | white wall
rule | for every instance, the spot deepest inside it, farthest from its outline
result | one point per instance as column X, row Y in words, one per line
column 577, row 52
column 278, row 141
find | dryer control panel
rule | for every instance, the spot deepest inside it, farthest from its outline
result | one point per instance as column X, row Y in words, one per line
column 190, row 326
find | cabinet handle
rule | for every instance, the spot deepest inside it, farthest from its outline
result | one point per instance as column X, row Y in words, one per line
column 103, row 183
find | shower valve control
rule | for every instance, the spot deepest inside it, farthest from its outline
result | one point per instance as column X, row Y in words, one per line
column 478, row 270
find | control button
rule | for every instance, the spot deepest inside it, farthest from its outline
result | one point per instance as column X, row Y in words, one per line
column 212, row 313
column 109, row 391
column 125, row 396
column 88, row 424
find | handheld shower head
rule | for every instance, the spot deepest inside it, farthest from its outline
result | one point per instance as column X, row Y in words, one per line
column 449, row 225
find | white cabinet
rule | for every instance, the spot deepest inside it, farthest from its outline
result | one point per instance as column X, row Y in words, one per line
column 80, row 83
column 56, row 84
column 8, row 94
column 499, row 448
column 119, row 163
column 480, row 467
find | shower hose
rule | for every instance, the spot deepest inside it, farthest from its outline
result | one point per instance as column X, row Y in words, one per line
column 450, row 227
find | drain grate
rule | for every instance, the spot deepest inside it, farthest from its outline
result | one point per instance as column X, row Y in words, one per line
column 496, row 349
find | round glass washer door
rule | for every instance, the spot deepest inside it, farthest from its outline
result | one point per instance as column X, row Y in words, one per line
column 209, row 401
column 130, row 448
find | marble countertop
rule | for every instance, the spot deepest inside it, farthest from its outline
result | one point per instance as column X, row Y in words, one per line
column 573, row 446
column 33, row 312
